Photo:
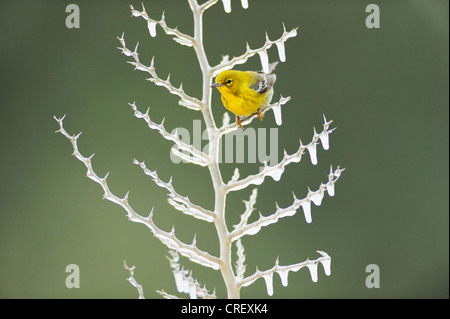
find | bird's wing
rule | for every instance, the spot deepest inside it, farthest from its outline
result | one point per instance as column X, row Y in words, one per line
column 264, row 82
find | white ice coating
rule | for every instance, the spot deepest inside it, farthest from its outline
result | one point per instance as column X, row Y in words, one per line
column 127, row 52
column 244, row 4
column 191, row 211
column 264, row 61
column 306, row 205
column 269, row 283
column 225, row 119
column 276, row 173
column 325, row 140
column 179, row 280
column 184, row 283
column 330, row 189
column 283, row 271
column 227, row 5
column 189, row 158
column 277, row 114
column 326, row 266
column 192, row 290
column 313, row 270
column 316, row 197
column 284, row 277
column 189, row 104
column 281, row 51
column 151, row 25
column 183, row 41
column 313, row 153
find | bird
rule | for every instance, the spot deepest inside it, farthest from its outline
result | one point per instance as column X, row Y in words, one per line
column 245, row 93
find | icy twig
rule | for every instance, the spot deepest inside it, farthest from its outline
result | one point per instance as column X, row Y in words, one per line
column 186, row 100
column 166, row 295
column 167, row 238
column 197, row 157
column 181, row 203
column 240, row 266
column 315, row 197
column 133, row 281
column 249, row 208
column 283, row 271
column 185, row 282
column 179, row 37
column 277, row 170
column 226, row 64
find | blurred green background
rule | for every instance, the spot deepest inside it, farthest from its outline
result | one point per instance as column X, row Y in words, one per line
column 386, row 90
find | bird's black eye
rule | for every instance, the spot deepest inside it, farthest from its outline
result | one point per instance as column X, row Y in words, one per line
column 229, row 82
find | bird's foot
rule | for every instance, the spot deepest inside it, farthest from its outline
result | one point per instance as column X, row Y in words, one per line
column 259, row 114
column 238, row 122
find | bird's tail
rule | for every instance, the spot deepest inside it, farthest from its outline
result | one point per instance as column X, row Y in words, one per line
column 272, row 66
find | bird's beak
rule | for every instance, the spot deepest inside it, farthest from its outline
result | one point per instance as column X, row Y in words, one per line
column 216, row 85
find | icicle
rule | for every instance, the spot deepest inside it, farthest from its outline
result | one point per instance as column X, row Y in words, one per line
column 326, row 266
column 330, row 189
column 227, row 5
column 281, row 52
column 313, row 270
column 313, row 153
column 306, row 205
column 316, row 197
column 179, row 280
column 277, row 114
column 284, row 277
column 269, row 283
column 325, row 140
column 225, row 119
column 192, row 291
column 244, row 4
column 152, row 28
column 264, row 61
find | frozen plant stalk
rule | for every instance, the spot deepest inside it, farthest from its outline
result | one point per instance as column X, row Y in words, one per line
column 233, row 275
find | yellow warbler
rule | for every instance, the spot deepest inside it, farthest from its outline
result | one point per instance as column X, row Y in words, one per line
column 245, row 92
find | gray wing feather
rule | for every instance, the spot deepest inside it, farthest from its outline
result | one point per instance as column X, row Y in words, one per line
column 264, row 82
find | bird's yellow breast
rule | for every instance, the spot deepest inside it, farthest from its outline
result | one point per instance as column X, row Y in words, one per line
column 242, row 105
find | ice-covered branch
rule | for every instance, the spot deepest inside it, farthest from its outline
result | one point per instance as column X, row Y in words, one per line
column 186, row 100
column 190, row 251
column 283, row 272
column 277, row 170
column 240, row 266
column 197, row 157
column 185, row 282
column 87, row 161
column 316, row 197
column 133, row 281
column 249, row 208
column 226, row 64
column 181, row 203
column 179, row 37
column 168, row 238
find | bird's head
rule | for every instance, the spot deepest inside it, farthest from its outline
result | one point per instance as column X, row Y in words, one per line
column 227, row 81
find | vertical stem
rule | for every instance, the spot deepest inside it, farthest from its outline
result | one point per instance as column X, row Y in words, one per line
column 214, row 140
